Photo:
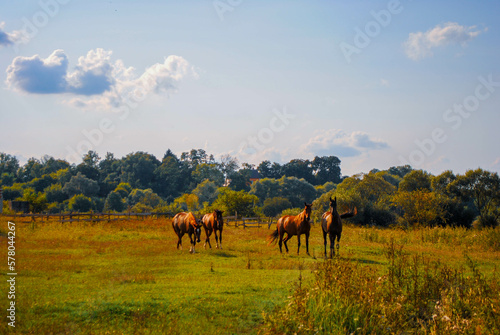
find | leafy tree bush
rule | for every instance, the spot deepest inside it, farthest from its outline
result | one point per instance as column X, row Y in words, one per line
column 12, row 192
column 55, row 193
column 80, row 203
column 420, row 208
column 274, row 206
column 236, row 201
column 206, row 191
column 80, row 184
column 37, row 200
column 114, row 202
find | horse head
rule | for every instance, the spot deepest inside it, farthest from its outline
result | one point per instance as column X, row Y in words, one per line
column 333, row 204
column 218, row 219
column 307, row 210
column 197, row 230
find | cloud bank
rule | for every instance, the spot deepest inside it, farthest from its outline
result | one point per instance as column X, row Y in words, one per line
column 9, row 39
column 339, row 143
column 96, row 82
column 419, row 45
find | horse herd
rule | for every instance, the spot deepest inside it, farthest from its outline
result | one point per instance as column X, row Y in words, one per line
column 331, row 224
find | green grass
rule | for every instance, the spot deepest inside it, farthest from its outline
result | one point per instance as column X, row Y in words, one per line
column 128, row 278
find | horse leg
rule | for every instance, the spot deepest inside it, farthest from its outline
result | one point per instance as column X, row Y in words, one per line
column 191, row 249
column 307, row 244
column 220, row 239
column 298, row 246
column 338, row 243
column 208, row 233
column 216, row 239
column 332, row 245
column 324, row 240
column 179, row 242
column 285, row 240
column 281, row 241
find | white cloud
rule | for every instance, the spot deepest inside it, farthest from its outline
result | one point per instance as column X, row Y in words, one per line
column 419, row 45
column 96, row 81
column 9, row 39
column 337, row 142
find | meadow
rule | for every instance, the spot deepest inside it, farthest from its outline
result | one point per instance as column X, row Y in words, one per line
column 127, row 277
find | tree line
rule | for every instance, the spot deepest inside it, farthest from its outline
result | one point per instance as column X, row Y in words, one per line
column 197, row 182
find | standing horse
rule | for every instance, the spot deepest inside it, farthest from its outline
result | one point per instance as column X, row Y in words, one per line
column 213, row 222
column 331, row 225
column 186, row 223
column 293, row 225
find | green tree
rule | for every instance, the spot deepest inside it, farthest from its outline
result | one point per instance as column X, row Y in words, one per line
column 80, row 203
column 32, row 169
column 228, row 165
column 483, row 189
column 326, row 169
column 109, row 174
column 8, row 164
column 236, row 201
column 274, row 206
column 206, row 191
column 420, row 208
column 51, row 165
column 170, row 177
column 39, row 184
column 138, row 169
column 37, row 200
column 208, row 171
column 90, row 165
column 80, row 184
column 146, row 197
column 55, row 193
column 13, row 192
column 299, row 168
column 416, row 180
column 400, row 171
column 114, row 202
column 123, row 189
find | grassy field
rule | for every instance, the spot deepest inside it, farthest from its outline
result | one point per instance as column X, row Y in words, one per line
column 128, row 278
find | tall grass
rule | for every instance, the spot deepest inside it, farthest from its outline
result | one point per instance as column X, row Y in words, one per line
column 127, row 277
column 415, row 295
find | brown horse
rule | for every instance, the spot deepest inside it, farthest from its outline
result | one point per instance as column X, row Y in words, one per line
column 332, row 225
column 186, row 223
column 293, row 225
column 213, row 222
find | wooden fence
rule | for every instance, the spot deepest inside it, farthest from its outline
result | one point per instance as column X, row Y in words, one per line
column 245, row 222
column 85, row 217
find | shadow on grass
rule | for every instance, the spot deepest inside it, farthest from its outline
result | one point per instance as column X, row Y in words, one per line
column 223, row 254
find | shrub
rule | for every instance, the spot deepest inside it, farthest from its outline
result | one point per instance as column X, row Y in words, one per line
column 415, row 295
column 80, row 203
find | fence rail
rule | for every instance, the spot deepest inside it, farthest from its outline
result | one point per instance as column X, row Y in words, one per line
column 245, row 222
column 87, row 217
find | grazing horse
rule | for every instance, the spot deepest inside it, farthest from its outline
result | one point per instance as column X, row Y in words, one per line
column 213, row 222
column 186, row 223
column 331, row 224
column 293, row 225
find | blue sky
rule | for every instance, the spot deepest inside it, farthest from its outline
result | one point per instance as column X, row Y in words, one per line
column 375, row 83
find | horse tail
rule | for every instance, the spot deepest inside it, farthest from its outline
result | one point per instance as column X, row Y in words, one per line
column 349, row 214
column 273, row 237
